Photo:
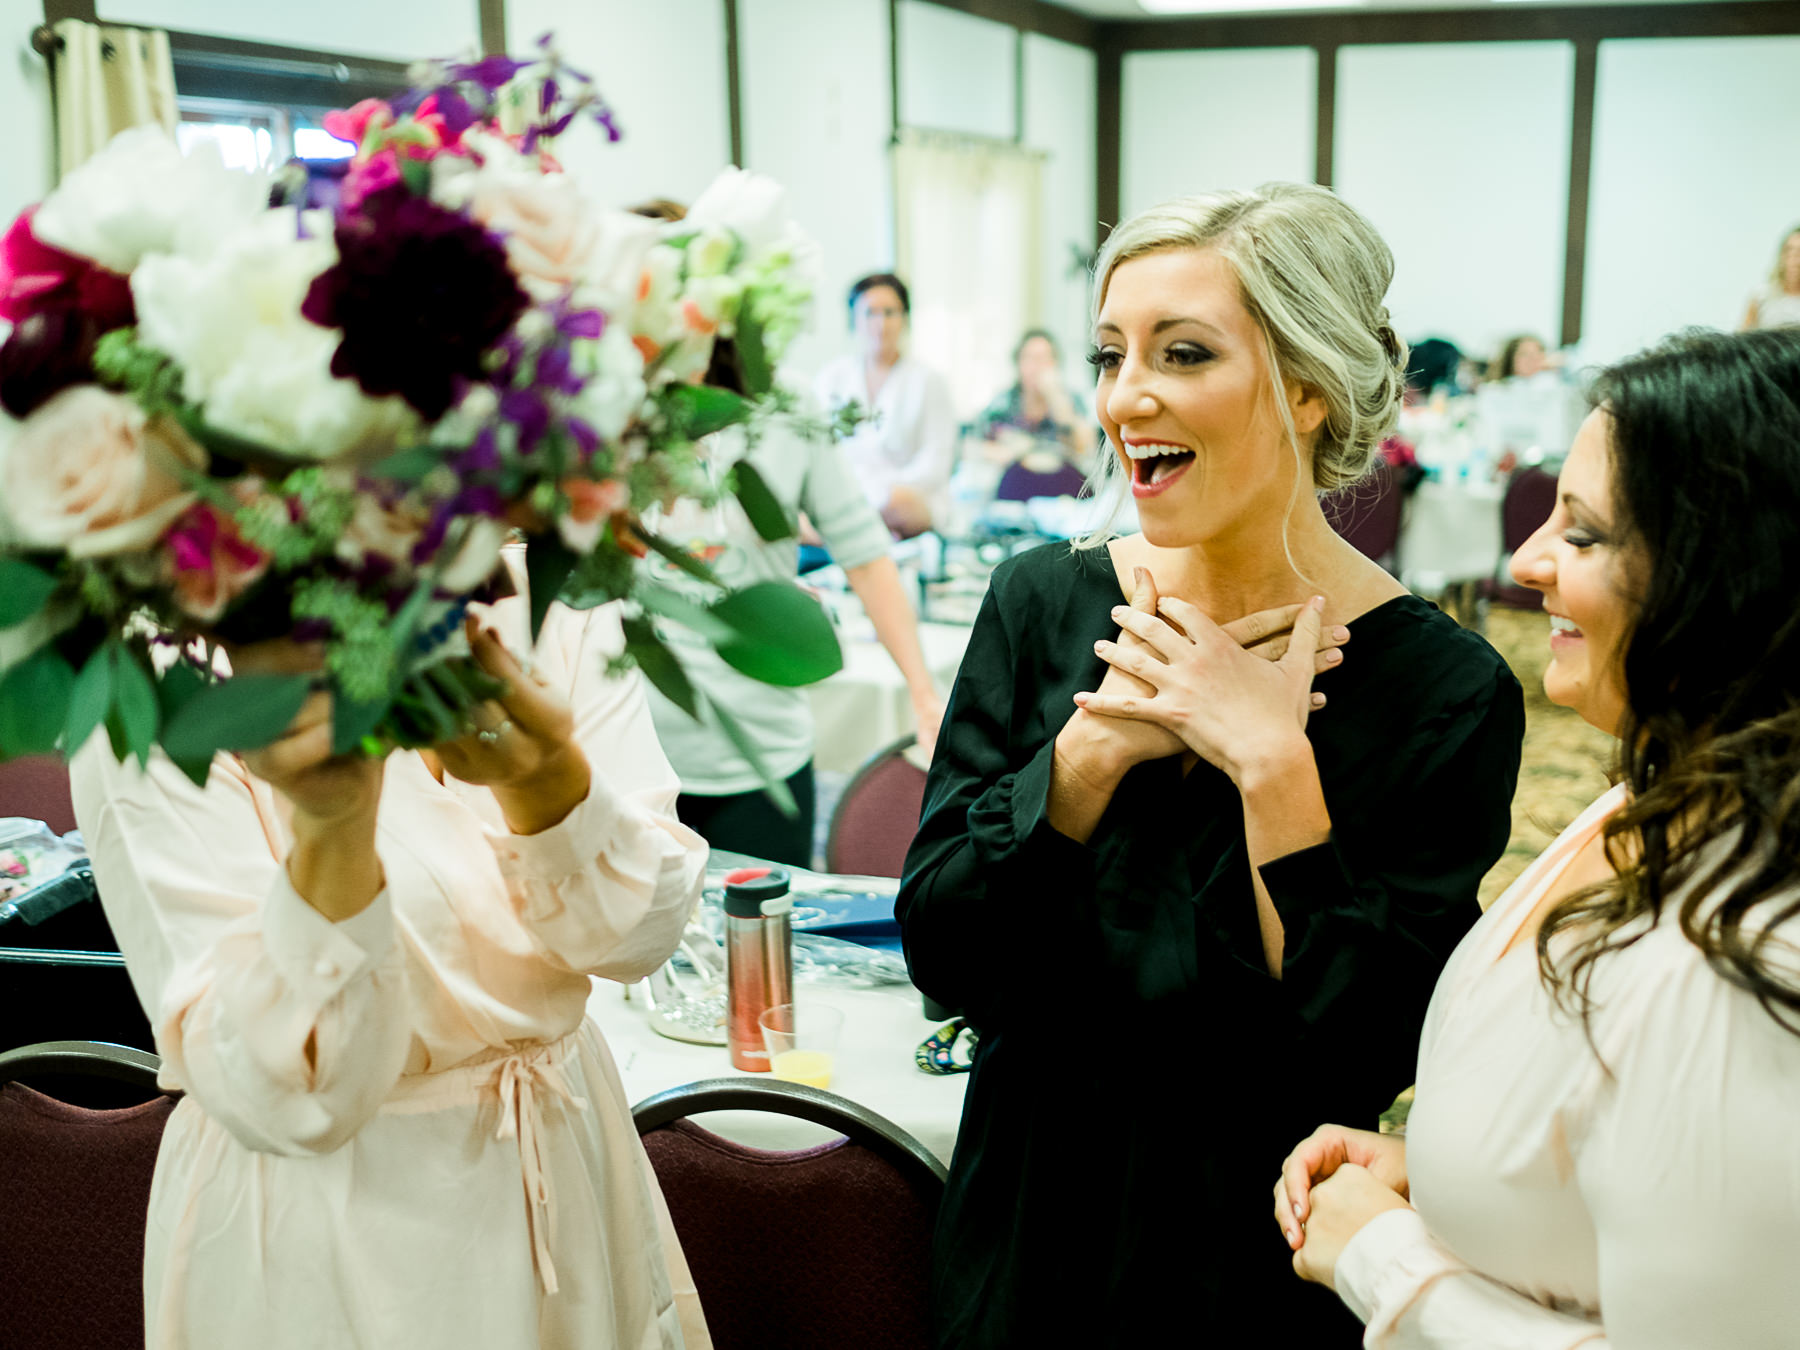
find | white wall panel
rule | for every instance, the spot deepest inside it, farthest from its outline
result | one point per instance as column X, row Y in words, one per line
column 816, row 113
column 956, row 71
column 1197, row 121
column 1696, row 179
column 1059, row 120
column 662, row 68
column 1470, row 188
column 30, row 158
column 395, row 30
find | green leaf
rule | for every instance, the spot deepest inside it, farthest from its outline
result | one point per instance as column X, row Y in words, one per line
column 409, row 465
column 753, row 357
column 34, row 703
column 23, row 591
column 351, row 721
column 242, row 713
column 660, row 665
column 134, row 699
column 760, row 503
column 776, row 788
column 177, row 687
column 668, row 603
column 699, row 409
column 548, row 563
column 680, row 557
column 782, row 635
column 407, row 622
column 88, row 700
column 416, row 174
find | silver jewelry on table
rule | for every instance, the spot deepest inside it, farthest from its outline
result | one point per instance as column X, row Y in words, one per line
column 490, row 736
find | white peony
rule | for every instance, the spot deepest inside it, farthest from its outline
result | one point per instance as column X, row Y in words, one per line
column 753, row 206
column 257, row 366
column 615, row 392
column 141, row 196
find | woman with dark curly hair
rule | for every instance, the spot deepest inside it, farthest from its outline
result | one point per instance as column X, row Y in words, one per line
column 1603, row 1149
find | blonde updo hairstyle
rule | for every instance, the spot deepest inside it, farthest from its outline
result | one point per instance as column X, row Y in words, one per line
column 1313, row 273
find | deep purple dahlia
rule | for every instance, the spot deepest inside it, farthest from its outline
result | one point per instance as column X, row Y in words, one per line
column 420, row 292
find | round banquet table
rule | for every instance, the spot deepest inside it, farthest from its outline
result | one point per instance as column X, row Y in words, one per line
column 874, row 1066
column 1451, row 534
column 864, row 707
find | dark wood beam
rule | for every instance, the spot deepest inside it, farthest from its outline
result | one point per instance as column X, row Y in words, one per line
column 1325, row 127
column 894, row 71
column 734, row 87
column 1109, row 64
column 55, row 11
column 1032, row 16
column 492, row 14
column 1581, row 164
column 1570, row 23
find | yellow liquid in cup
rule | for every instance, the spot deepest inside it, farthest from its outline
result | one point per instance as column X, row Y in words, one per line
column 811, row 1067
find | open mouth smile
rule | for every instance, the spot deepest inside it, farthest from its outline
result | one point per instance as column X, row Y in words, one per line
column 1155, row 466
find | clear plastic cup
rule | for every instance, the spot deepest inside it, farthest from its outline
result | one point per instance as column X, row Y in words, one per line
column 802, row 1041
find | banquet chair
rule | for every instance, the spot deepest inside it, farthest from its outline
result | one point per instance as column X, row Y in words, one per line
column 875, row 819
column 1530, row 498
column 815, row 1249
column 37, row 786
column 1367, row 514
column 1020, row 484
column 74, row 1190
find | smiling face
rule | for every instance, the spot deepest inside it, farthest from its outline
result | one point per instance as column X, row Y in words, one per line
column 1185, row 397
column 1583, row 566
column 879, row 319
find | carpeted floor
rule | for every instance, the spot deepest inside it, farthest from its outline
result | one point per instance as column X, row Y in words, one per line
column 1564, row 764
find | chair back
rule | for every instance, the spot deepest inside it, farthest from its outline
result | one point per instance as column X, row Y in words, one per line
column 1367, row 514
column 37, row 786
column 1530, row 498
column 875, row 819
column 1020, row 484
column 816, row 1249
column 75, row 1190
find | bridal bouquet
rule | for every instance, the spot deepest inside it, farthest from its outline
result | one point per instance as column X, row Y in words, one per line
column 230, row 417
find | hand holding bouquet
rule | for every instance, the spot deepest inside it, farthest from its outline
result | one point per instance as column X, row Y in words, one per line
column 230, row 418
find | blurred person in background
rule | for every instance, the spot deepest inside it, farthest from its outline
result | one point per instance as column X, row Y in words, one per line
column 1521, row 356
column 722, row 796
column 1038, row 414
column 904, row 451
column 1777, row 305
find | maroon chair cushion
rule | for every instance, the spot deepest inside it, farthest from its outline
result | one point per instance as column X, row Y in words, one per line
column 876, row 819
column 74, row 1191
column 1019, row 484
column 37, row 786
column 1367, row 514
column 1530, row 498
column 827, row 1248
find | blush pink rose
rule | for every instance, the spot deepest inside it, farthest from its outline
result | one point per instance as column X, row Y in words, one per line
column 213, row 565
column 89, row 474
column 591, row 505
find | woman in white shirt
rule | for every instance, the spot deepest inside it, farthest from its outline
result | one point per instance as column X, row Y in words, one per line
column 1777, row 305
column 1602, row 1151
column 903, row 452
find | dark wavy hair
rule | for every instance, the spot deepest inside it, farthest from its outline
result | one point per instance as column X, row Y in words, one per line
column 1705, row 441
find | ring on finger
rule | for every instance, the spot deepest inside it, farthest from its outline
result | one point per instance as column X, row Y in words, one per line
column 490, row 735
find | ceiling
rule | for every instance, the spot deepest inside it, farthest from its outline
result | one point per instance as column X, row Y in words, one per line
column 1130, row 9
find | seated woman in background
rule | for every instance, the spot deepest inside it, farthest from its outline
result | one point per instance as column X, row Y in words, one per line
column 903, row 452
column 1038, row 413
column 1602, row 1151
column 1777, row 305
column 1521, row 357
column 1183, row 899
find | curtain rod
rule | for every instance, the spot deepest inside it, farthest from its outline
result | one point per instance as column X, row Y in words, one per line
column 45, row 42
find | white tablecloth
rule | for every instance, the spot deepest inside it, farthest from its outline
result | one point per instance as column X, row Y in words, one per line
column 874, row 1066
column 865, row 705
column 1451, row 533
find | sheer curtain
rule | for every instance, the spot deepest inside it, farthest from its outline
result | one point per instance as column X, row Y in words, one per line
column 967, row 244
column 106, row 79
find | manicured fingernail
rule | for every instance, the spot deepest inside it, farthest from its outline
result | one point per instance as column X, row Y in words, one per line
column 1333, row 657
column 1318, row 602
column 1102, row 645
column 1081, row 700
column 1341, row 633
column 1292, row 1239
column 1118, row 611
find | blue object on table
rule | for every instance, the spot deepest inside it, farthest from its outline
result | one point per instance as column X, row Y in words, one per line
column 855, row 916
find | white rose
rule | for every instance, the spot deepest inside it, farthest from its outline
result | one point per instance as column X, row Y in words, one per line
column 141, row 196
column 752, row 206
column 258, row 367
column 614, row 394
column 709, row 253
column 88, row 474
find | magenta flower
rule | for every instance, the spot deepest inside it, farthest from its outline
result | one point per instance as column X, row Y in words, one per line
column 36, row 277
